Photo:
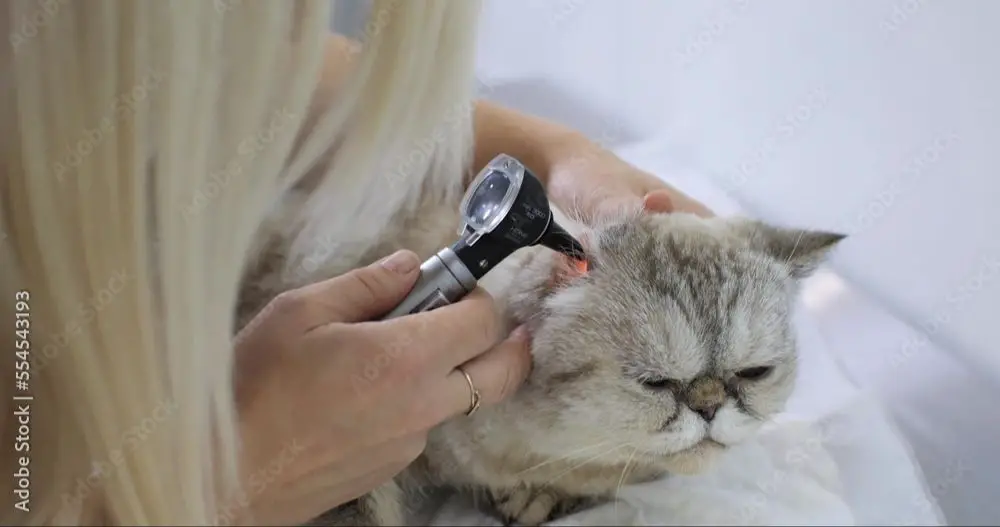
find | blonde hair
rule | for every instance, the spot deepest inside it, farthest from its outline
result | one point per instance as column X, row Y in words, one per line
column 115, row 114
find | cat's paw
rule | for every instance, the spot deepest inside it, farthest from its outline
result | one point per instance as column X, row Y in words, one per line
column 524, row 506
column 531, row 507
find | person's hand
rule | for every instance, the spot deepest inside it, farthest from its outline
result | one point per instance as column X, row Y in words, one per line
column 331, row 406
column 592, row 180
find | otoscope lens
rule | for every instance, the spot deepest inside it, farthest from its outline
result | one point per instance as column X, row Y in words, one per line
column 487, row 199
column 490, row 197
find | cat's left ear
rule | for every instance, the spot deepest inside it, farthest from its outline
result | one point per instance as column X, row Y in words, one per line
column 801, row 250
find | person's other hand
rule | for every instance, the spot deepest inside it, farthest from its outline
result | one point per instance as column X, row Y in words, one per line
column 331, row 405
column 592, row 180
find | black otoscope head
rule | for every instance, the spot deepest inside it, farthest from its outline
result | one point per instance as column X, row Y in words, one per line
column 504, row 210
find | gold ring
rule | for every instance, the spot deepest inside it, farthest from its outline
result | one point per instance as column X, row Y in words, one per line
column 475, row 397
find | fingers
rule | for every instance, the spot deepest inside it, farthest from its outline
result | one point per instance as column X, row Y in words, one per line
column 496, row 374
column 658, row 201
column 673, row 200
column 449, row 335
column 361, row 294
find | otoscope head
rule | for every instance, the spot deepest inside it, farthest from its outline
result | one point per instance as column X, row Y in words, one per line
column 504, row 210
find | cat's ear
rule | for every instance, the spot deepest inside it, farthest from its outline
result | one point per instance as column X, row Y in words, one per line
column 566, row 270
column 801, row 250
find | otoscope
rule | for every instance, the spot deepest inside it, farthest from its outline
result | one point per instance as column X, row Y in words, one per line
column 504, row 209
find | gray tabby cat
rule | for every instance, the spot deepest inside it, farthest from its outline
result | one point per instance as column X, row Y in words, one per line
column 676, row 345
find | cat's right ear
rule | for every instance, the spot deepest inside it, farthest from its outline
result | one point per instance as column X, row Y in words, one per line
column 566, row 270
column 801, row 250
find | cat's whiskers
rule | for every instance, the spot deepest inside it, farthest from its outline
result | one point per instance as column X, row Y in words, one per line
column 596, row 195
column 621, row 481
column 584, row 462
column 791, row 253
column 566, row 457
column 574, row 210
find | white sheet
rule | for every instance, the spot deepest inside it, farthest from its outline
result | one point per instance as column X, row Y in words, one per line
column 832, row 459
column 796, row 473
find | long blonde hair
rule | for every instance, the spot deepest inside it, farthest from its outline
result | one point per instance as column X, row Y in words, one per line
column 117, row 115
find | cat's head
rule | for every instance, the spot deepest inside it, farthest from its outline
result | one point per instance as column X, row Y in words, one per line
column 675, row 344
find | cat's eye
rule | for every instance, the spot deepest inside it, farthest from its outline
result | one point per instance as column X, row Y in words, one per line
column 656, row 384
column 755, row 373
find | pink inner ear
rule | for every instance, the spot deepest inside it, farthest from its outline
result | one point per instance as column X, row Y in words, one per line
column 565, row 270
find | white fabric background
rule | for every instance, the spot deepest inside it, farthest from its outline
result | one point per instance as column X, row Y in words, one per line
column 874, row 117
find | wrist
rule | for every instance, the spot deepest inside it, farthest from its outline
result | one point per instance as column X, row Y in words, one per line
column 538, row 143
column 573, row 150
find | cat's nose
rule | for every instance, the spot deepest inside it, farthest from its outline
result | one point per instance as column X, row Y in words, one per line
column 707, row 412
column 705, row 396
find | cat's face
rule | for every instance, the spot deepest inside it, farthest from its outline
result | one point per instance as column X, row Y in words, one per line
column 678, row 341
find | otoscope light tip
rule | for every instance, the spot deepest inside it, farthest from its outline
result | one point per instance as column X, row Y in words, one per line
column 557, row 239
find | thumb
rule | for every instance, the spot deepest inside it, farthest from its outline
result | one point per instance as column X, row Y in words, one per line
column 369, row 292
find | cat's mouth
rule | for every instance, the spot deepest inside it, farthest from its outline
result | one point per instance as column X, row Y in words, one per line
column 696, row 458
column 702, row 445
column 710, row 443
column 706, row 443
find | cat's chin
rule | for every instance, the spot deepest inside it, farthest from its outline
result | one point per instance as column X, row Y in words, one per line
column 694, row 460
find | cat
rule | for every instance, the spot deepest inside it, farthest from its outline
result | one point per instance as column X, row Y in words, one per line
column 675, row 345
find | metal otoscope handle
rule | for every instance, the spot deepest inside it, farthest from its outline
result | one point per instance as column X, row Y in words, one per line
column 504, row 209
column 443, row 280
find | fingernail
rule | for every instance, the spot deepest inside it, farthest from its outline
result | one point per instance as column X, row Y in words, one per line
column 401, row 262
column 519, row 333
